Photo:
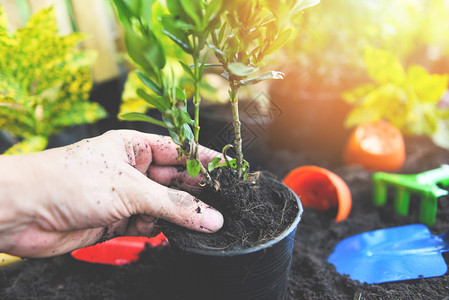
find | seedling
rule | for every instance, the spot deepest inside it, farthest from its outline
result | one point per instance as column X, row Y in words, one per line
column 241, row 34
column 249, row 32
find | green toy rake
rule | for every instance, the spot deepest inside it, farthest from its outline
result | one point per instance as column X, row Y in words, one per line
column 426, row 185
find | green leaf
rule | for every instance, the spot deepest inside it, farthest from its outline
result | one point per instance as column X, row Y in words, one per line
column 186, row 132
column 230, row 164
column 145, row 51
column 141, row 117
column 428, row 88
column 149, row 83
column 175, row 9
column 303, row 4
column 28, row 145
column 80, row 113
column 383, row 67
column 185, row 117
column 180, row 94
column 177, row 35
column 193, row 167
column 193, row 9
column 175, row 137
column 241, row 70
column 213, row 10
column 143, row 9
column 157, row 101
column 124, row 12
column 280, row 41
column 213, row 164
column 262, row 77
column 357, row 93
column 203, row 65
column 187, row 69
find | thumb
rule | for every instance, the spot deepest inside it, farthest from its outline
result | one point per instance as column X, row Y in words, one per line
column 150, row 198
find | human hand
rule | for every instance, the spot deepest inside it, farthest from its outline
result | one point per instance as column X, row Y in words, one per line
column 66, row 198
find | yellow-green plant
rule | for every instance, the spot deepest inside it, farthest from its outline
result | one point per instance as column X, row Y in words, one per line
column 408, row 99
column 45, row 82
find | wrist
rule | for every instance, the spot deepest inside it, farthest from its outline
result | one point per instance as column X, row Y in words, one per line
column 15, row 190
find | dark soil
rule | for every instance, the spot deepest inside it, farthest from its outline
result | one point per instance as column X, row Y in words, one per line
column 311, row 276
column 253, row 213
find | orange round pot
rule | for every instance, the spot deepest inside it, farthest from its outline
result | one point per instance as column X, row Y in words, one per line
column 321, row 189
column 376, row 146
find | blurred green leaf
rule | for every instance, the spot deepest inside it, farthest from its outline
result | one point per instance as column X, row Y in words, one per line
column 124, row 12
column 187, row 69
column 280, row 41
column 193, row 8
column 408, row 101
column 156, row 101
column 141, row 117
column 428, row 88
column 262, row 77
column 186, row 132
column 79, row 113
column 28, row 145
column 149, row 83
column 44, row 89
column 178, row 35
column 241, row 70
column 145, row 51
column 383, row 67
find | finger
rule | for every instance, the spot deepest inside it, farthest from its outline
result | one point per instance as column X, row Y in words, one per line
column 145, row 196
column 165, row 152
column 141, row 225
column 138, row 149
column 174, row 176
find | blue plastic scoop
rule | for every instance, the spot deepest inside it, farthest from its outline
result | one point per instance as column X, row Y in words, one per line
column 393, row 254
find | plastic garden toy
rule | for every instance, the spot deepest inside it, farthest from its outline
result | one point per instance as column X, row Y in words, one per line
column 425, row 184
column 393, row 254
column 118, row 251
column 321, row 189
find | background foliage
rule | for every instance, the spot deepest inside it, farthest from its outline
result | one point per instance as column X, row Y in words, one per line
column 45, row 82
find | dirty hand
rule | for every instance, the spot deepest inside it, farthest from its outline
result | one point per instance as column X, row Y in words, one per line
column 65, row 198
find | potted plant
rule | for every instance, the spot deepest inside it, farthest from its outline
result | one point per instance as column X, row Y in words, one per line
column 406, row 98
column 249, row 257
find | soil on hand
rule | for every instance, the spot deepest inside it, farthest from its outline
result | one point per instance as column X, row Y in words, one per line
column 311, row 276
column 253, row 213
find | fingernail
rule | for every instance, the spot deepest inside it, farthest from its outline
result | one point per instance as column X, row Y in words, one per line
column 212, row 220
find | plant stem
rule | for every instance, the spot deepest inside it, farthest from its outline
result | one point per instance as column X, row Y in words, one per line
column 237, row 128
column 197, row 102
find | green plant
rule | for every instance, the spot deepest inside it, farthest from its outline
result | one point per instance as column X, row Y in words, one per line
column 44, row 82
column 326, row 54
column 187, row 24
column 250, row 31
column 241, row 34
column 407, row 99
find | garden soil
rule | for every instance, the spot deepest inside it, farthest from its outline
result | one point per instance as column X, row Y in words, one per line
column 311, row 276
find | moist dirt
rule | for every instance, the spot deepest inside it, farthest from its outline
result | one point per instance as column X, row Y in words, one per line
column 254, row 212
column 311, row 277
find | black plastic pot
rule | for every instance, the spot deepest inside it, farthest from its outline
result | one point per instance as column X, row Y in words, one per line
column 256, row 273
